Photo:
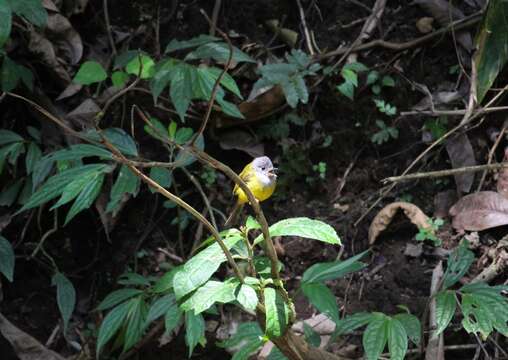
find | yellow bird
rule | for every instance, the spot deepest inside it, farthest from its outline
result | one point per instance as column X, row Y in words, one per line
column 260, row 177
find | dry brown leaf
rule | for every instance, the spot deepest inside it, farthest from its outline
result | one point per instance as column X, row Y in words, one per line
column 385, row 217
column 461, row 154
column 502, row 179
column 480, row 211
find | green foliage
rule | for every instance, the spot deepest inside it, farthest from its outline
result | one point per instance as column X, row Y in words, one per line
column 385, row 133
column 376, row 82
column 322, row 298
column 6, row 258
column 429, row 233
column 210, row 293
column 445, row 309
column 66, row 297
column 333, row 270
column 289, row 76
column 436, row 126
column 194, row 331
column 142, row 66
column 12, row 74
column 320, row 169
column 349, row 74
column 90, row 72
column 249, row 335
column 458, row 264
column 277, row 313
column 385, row 107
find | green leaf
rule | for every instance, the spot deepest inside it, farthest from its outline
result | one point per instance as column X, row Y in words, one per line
column 356, row 67
column 172, row 318
column 412, row 326
column 116, row 297
column 32, row 10
column 135, row 322
column 126, row 183
column 184, row 159
column 33, row 155
column 142, row 66
column 202, row 39
column 26, row 76
column 160, row 307
column 397, row 340
column 66, row 297
column 183, row 135
column 203, row 86
column 247, row 297
column 301, row 88
column 347, row 89
column 119, row 78
column 5, row 24
column 304, row 227
column 353, row 322
column 230, row 109
column 111, row 324
column 372, row 77
column 388, row 81
column 219, row 51
column 74, row 188
column 276, row 354
column 277, row 313
column 133, row 279
column 6, row 258
column 16, row 150
column 248, row 332
column 123, row 141
column 492, row 47
column 9, row 195
column 350, row 76
column 375, row 336
column 202, row 266
column 445, row 309
column 90, row 72
column 165, row 283
column 86, row 197
column 459, row 262
column 126, row 57
column 332, row 270
column 56, row 184
column 161, row 176
column 208, row 294
column 311, row 336
column 323, row 299
column 10, row 75
column 79, row 151
column 290, row 93
column 194, row 330
column 162, row 76
column 181, row 88
column 26, row 192
column 227, row 80
column 7, row 137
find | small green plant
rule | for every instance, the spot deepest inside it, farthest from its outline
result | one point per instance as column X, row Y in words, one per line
column 385, row 133
column 209, row 176
column 376, row 82
column 429, row 233
column 349, row 74
column 436, row 126
column 320, row 168
column 385, row 108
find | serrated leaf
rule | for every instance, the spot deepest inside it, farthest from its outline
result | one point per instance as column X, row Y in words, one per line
column 162, row 77
column 375, row 336
column 304, row 227
column 248, row 332
column 397, row 340
column 219, row 51
column 160, row 307
column 290, row 93
column 277, row 313
column 203, row 86
column 142, row 66
column 347, row 89
column 126, row 183
column 202, row 266
column 79, row 151
column 459, row 262
column 194, row 330
column 134, row 279
column 119, row 78
column 122, row 141
column 116, row 297
column 135, row 322
column 208, row 294
column 6, row 258
column 372, row 77
column 5, row 24
column 56, row 184
column 7, row 137
column 33, row 155
column 412, row 326
column 181, row 88
column 165, row 283
column 352, row 322
column 32, row 10
column 172, row 318
column 247, row 297
column 311, row 336
column 227, row 80
column 73, row 189
column 332, row 270
column 66, row 297
column 350, row 76
column 445, row 309
column 86, row 197
column 323, row 299
column 111, row 324
column 202, row 39
column 301, row 88
column 90, row 72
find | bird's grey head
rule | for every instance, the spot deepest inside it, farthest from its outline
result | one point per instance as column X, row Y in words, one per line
column 263, row 165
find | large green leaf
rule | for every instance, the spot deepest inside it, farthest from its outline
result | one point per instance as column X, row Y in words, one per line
column 181, row 88
column 90, row 72
column 32, row 10
column 65, row 295
column 277, row 313
column 445, row 309
column 172, row 318
column 353, row 322
column 162, row 77
column 208, row 294
column 126, row 183
column 247, row 297
column 116, row 297
column 304, row 227
column 412, row 326
column 86, row 197
column 219, row 51
column 459, row 262
column 194, row 330
column 33, row 155
column 160, row 307
column 397, row 340
column 227, row 80
column 202, row 266
column 56, row 184
column 333, row 270
column 79, row 151
column 10, row 75
column 135, row 322
column 323, row 299
column 375, row 336
column 74, row 188
column 202, row 39
column 6, row 258
column 5, row 24
column 165, row 283
column 492, row 45
column 7, row 137
column 142, row 66
column 111, row 324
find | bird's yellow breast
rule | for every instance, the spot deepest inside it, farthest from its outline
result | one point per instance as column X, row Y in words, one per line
column 260, row 190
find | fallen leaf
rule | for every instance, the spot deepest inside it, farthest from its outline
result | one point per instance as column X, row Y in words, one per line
column 502, row 178
column 480, row 211
column 461, row 154
column 385, row 217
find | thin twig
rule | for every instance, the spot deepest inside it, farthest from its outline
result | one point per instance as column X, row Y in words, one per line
column 491, row 154
column 108, row 27
column 215, row 16
column 447, row 172
column 198, row 186
column 480, row 111
column 305, row 28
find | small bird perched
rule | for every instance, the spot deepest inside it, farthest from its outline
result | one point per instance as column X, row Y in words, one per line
column 260, row 177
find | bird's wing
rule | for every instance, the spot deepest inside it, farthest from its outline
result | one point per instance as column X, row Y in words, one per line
column 246, row 175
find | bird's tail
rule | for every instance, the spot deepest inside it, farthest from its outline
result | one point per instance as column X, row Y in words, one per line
column 232, row 219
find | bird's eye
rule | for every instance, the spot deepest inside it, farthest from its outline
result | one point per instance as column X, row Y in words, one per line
column 263, row 168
